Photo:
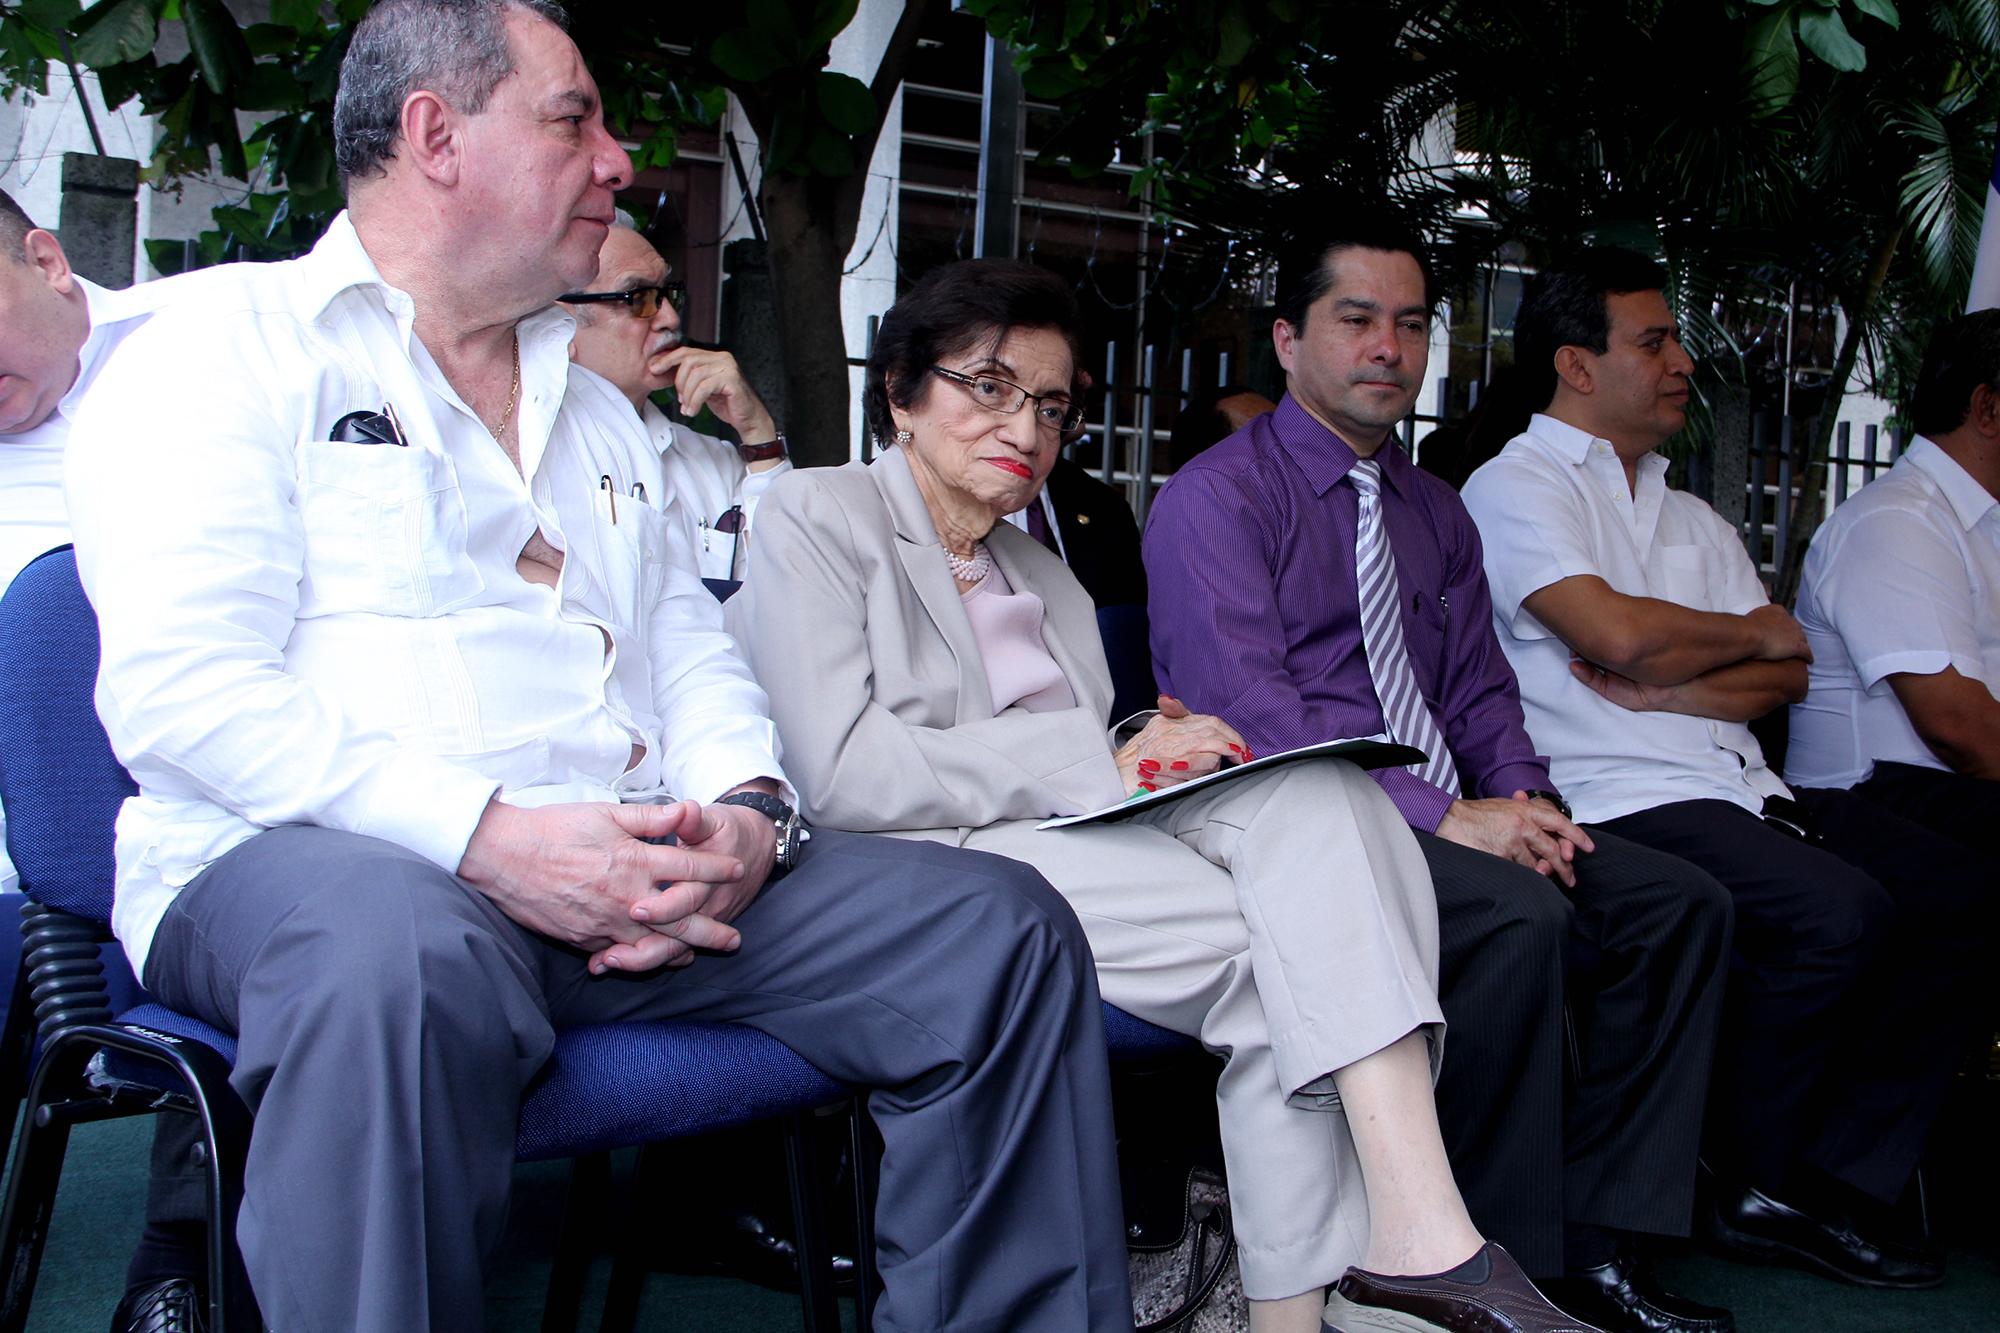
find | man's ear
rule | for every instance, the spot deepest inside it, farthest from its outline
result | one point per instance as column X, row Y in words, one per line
column 1284, row 339
column 430, row 136
column 43, row 253
column 1985, row 413
column 1576, row 368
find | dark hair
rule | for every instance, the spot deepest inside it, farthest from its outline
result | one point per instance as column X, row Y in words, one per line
column 1964, row 354
column 1304, row 274
column 950, row 311
column 454, row 48
column 1202, row 421
column 1568, row 304
column 15, row 224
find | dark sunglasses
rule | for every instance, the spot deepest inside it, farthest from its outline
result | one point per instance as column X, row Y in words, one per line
column 640, row 302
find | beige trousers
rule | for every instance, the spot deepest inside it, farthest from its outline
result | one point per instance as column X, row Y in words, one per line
column 1287, row 921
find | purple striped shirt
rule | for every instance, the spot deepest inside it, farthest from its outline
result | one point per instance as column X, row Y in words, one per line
column 1250, row 562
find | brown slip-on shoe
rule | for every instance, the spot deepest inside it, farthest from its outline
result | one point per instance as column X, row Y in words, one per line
column 1506, row 1302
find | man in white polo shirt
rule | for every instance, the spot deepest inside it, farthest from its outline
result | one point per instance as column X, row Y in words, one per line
column 1644, row 643
column 1901, row 603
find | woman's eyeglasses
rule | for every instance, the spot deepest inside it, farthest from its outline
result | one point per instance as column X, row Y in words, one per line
column 1006, row 397
column 640, row 302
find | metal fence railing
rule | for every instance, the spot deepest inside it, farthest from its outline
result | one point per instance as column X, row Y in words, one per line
column 1775, row 456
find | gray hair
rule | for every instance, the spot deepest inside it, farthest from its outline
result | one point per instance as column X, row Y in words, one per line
column 454, row 48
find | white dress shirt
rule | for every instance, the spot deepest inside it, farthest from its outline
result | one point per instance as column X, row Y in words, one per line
column 303, row 631
column 1903, row 577
column 1554, row 505
column 710, row 478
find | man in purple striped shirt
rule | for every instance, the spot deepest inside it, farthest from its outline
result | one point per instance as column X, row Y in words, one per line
column 1251, row 557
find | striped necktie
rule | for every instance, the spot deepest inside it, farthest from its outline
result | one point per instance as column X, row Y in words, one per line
column 1404, row 712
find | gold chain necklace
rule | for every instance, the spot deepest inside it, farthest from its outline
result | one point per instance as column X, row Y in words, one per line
column 513, row 393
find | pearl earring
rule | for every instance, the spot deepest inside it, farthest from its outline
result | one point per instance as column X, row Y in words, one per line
column 903, row 437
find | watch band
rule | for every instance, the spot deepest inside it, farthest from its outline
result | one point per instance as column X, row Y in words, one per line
column 1553, row 799
column 757, row 453
column 785, row 822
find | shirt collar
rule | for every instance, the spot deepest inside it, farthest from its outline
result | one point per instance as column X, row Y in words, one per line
column 1324, row 457
column 339, row 264
column 1573, row 444
column 1968, row 499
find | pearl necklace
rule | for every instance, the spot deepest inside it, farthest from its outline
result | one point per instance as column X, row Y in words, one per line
column 970, row 568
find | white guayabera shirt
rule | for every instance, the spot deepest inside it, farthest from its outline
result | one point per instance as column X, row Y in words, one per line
column 1554, row 505
column 709, row 478
column 298, row 630
column 1904, row 577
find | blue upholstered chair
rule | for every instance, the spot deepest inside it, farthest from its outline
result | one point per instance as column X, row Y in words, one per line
column 607, row 1086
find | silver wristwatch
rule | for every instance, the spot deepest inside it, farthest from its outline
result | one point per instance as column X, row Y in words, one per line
column 792, row 831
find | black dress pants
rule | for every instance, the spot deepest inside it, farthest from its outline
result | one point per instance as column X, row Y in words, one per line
column 1955, row 807
column 1847, row 1009
column 1638, row 949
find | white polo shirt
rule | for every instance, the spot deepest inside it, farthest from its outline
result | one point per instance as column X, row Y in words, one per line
column 710, row 478
column 1554, row 505
column 299, row 630
column 1903, row 577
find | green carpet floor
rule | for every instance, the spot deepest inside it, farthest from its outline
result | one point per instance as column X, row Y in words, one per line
column 98, row 1216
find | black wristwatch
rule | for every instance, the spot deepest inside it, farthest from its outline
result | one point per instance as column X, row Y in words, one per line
column 792, row 831
column 1554, row 800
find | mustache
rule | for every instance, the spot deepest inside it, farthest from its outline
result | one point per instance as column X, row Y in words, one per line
column 667, row 342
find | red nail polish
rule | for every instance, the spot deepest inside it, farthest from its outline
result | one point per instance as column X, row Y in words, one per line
column 1180, row 764
column 1147, row 786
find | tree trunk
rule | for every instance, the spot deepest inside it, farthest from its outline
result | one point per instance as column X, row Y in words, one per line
column 1811, row 506
column 806, row 255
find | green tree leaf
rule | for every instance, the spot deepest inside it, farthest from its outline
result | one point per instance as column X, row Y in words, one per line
column 301, row 16
column 830, row 154
column 746, row 57
column 1826, row 36
column 1233, row 39
column 219, row 49
column 1771, row 58
column 114, row 33
column 49, row 15
column 1881, row 9
column 846, row 103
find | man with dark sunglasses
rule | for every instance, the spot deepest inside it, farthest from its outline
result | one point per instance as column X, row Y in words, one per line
column 628, row 329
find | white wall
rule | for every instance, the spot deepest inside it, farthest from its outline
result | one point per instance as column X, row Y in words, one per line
column 35, row 132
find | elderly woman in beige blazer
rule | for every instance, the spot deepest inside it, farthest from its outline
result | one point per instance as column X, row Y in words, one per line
column 937, row 674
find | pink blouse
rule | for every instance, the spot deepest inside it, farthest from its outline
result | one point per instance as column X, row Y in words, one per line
column 1007, row 626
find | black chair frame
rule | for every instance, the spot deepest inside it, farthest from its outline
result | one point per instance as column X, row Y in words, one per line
column 62, row 975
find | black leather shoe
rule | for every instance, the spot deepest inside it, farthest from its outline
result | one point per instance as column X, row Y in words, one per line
column 171, row 1305
column 1624, row 1296
column 1504, row 1301
column 1752, row 1224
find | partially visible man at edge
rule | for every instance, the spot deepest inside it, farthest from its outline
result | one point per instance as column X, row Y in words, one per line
column 1310, row 583
column 1900, row 600
column 402, row 802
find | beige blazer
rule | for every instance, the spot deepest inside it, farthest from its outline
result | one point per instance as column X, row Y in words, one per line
column 852, row 622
